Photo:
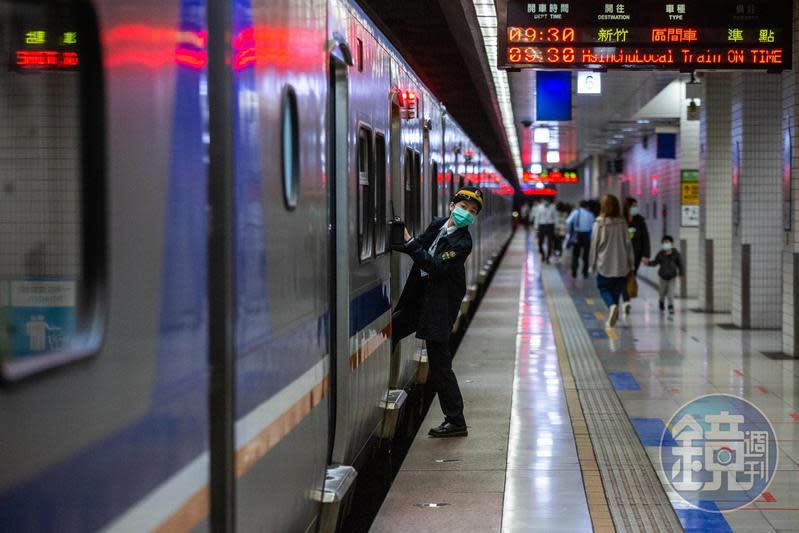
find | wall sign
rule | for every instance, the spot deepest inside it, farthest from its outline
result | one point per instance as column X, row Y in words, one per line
column 689, row 184
column 650, row 34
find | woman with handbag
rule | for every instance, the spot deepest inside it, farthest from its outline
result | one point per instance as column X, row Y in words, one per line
column 611, row 255
column 639, row 236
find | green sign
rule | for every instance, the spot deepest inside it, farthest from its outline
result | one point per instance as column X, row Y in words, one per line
column 689, row 176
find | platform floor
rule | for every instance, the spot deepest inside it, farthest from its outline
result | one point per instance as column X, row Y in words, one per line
column 565, row 416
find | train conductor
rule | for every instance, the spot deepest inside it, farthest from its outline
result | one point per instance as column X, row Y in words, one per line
column 432, row 296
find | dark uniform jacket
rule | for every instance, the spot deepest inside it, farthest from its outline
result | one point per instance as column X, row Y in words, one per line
column 640, row 237
column 436, row 298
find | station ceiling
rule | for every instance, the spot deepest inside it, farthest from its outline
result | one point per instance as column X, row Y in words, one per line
column 442, row 41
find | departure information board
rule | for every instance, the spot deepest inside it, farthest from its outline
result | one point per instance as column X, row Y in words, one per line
column 648, row 34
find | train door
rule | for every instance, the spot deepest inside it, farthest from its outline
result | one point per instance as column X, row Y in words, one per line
column 338, row 266
column 396, row 196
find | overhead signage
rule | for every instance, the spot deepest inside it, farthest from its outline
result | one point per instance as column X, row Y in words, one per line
column 589, row 82
column 648, row 34
column 551, row 176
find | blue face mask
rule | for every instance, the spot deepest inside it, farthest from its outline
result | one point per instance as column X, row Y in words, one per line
column 462, row 217
column 666, row 246
column 634, row 211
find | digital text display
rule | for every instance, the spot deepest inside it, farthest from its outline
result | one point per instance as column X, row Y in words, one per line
column 662, row 34
column 45, row 47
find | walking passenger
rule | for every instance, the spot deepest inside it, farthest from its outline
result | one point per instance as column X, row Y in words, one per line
column 432, row 296
column 670, row 262
column 545, row 219
column 639, row 235
column 560, row 227
column 579, row 223
column 611, row 255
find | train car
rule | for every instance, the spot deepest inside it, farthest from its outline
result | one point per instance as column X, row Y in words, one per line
column 164, row 196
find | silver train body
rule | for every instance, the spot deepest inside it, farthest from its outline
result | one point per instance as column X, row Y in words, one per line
column 327, row 147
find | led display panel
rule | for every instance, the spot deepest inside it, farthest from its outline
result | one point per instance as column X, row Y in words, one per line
column 648, row 34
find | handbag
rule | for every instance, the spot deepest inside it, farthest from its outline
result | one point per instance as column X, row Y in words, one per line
column 632, row 285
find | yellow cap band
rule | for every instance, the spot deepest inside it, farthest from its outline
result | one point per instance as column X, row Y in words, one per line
column 476, row 197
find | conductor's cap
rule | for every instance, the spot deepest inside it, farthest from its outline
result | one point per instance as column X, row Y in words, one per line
column 469, row 193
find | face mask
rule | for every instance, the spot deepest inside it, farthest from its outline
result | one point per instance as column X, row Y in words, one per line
column 634, row 211
column 462, row 217
column 666, row 246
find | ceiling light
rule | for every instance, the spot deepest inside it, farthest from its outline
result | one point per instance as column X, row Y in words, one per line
column 541, row 135
column 487, row 19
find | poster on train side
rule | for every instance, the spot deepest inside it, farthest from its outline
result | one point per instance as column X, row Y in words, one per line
column 39, row 319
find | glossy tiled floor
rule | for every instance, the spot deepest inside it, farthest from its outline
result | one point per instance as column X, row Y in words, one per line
column 543, row 483
column 675, row 359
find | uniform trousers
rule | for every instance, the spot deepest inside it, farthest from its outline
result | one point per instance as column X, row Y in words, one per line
column 439, row 357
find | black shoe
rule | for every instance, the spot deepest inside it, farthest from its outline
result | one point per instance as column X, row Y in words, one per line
column 671, row 309
column 448, row 429
column 585, row 275
column 661, row 305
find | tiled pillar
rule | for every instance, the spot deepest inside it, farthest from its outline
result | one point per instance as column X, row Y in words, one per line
column 790, row 255
column 688, row 237
column 715, row 194
column 758, row 239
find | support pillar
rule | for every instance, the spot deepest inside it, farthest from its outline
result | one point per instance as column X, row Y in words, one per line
column 715, row 194
column 758, row 240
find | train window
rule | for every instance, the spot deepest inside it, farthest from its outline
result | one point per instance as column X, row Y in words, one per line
column 417, row 193
column 366, row 172
column 52, row 188
column 434, row 188
column 412, row 178
column 407, row 179
column 290, row 148
column 448, row 191
column 381, row 217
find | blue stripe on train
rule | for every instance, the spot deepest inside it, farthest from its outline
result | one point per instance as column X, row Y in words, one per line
column 368, row 307
column 93, row 487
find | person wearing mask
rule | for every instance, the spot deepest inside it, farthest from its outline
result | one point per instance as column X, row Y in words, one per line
column 670, row 262
column 639, row 235
column 611, row 255
column 545, row 220
column 432, row 296
column 580, row 222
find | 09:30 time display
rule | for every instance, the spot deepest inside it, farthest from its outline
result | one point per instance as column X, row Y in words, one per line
column 540, row 35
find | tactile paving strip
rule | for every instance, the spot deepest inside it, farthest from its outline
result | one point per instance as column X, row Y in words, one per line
column 634, row 493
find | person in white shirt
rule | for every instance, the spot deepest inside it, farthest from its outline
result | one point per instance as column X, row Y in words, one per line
column 545, row 219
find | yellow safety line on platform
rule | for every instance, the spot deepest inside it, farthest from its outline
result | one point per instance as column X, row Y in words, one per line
column 592, row 480
column 599, row 316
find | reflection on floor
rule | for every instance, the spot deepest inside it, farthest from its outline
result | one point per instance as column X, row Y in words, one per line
column 659, row 362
